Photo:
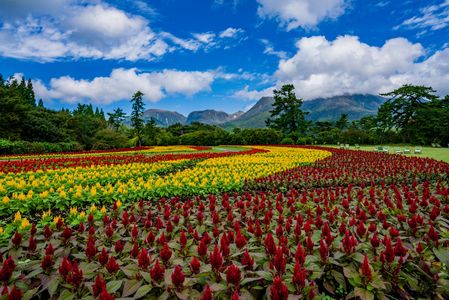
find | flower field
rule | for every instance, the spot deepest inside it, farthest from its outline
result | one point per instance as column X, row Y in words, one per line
column 270, row 222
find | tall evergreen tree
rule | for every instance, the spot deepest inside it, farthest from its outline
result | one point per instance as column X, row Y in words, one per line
column 30, row 93
column 137, row 116
column 287, row 115
column 116, row 118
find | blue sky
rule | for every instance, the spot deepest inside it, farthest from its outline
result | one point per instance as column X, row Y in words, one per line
column 221, row 54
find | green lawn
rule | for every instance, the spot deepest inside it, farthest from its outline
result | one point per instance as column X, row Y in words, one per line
column 435, row 153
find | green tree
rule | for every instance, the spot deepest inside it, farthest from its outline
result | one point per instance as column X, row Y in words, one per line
column 287, row 115
column 137, row 116
column 342, row 122
column 116, row 118
column 403, row 106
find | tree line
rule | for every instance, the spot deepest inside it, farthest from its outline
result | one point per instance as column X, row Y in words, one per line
column 411, row 114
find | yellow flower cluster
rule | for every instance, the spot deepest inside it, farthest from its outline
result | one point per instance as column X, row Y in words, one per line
column 96, row 184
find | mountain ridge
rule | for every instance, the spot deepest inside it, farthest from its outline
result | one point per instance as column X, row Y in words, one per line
column 320, row 109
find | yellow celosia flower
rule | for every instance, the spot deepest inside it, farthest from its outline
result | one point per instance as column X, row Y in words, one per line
column 1, row 230
column 118, row 203
column 56, row 219
column 103, row 210
column 17, row 216
column 25, row 223
column 93, row 208
column 46, row 214
column 5, row 200
column 73, row 211
column 82, row 214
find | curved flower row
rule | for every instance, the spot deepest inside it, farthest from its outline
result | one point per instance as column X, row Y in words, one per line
column 102, row 184
column 341, row 241
column 121, row 151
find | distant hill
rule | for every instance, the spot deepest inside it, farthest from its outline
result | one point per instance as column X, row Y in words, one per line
column 164, row 118
column 330, row 109
column 321, row 109
column 210, row 116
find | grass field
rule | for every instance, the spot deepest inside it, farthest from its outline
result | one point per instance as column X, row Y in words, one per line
column 435, row 153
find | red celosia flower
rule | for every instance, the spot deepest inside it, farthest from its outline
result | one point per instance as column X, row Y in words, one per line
column 109, row 231
column 150, row 238
column 270, row 246
column 247, row 260
column 375, row 241
column 233, row 275
column 33, row 229
column 324, row 251
column 399, row 250
column 278, row 290
column 216, row 260
column 92, row 230
column 279, row 261
column 90, row 219
column 103, row 257
column 135, row 251
column 162, row 239
column 47, row 263
column 207, row 293
column 134, row 232
column 144, row 259
column 32, row 244
column 50, row 250
column 309, row 244
column 66, row 234
column 240, row 240
column 125, row 219
column 299, row 276
column 235, row 296
column 165, row 253
column 17, row 239
column 366, row 270
column 433, row 234
column 183, row 239
column 202, row 248
column 75, row 278
column 7, row 269
column 157, row 272
column 300, row 254
column 118, row 247
column 195, row 265
column 99, row 285
column 65, row 268
column 15, row 294
column 177, row 277
column 91, row 249
column 112, row 265
column 80, row 227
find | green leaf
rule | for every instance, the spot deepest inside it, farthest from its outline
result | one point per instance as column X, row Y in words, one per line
column 142, row 291
column 363, row 294
column 53, row 286
column 247, row 280
column 114, row 286
column 130, row 287
column 442, row 255
column 29, row 294
column 66, row 295
column 265, row 275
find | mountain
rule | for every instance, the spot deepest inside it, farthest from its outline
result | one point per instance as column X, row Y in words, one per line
column 255, row 117
column 164, row 118
column 321, row 109
column 209, row 116
column 356, row 106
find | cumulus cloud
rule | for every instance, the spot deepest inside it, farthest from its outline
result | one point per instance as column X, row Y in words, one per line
column 431, row 17
column 73, row 29
column 247, row 94
column 323, row 68
column 122, row 83
column 269, row 49
column 301, row 13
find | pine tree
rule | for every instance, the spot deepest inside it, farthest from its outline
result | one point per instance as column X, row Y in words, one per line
column 30, row 93
column 41, row 103
column 137, row 116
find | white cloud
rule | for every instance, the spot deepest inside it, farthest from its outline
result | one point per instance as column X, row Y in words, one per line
column 269, row 49
column 301, row 13
column 70, row 29
column 205, row 38
column 247, row 94
column 122, row 83
column 231, row 32
column 432, row 17
column 323, row 68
